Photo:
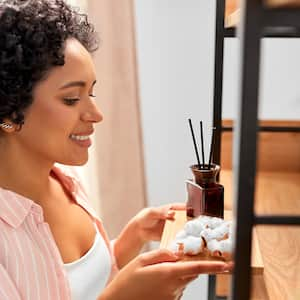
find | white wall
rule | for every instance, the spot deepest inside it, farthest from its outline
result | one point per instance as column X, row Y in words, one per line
column 175, row 41
column 175, row 83
column 280, row 77
column 175, row 47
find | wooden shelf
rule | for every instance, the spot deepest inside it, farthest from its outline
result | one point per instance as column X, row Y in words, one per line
column 233, row 19
column 282, row 3
column 276, row 193
column 276, row 152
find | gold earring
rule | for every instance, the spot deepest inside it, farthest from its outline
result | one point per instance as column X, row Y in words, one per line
column 6, row 125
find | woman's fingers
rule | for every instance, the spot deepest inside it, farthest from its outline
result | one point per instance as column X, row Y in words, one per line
column 178, row 206
column 165, row 211
column 187, row 279
column 191, row 268
column 157, row 256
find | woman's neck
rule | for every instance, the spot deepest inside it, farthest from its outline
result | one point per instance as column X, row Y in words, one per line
column 24, row 174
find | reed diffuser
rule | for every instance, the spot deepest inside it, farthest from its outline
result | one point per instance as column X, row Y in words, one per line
column 205, row 195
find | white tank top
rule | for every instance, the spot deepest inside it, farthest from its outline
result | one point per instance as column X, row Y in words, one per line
column 89, row 275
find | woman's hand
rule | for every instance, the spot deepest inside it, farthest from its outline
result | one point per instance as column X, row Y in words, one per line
column 150, row 221
column 147, row 225
column 157, row 275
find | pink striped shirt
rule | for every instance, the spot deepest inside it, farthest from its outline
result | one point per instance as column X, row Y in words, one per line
column 31, row 267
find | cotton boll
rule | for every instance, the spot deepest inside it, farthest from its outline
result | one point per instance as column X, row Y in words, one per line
column 231, row 233
column 218, row 233
column 226, row 246
column 193, row 227
column 214, row 222
column 204, row 220
column 181, row 235
column 193, row 245
column 213, row 245
column 207, row 234
column 221, row 232
column 222, row 248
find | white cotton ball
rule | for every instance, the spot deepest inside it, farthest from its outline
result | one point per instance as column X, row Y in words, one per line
column 221, row 232
column 193, row 227
column 204, row 220
column 231, row 232
column 193, row 245
column 226, row 246
column 214, row 222
column 213, row 245
column 223, row 248
column 218, row 233
column 181, row 235
column 207, row 234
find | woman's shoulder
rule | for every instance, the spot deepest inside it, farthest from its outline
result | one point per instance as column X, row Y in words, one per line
column 72, row 179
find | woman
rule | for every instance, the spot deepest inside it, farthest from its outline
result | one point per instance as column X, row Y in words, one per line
column 52, row 245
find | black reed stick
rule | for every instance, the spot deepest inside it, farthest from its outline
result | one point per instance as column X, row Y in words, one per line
column 212, row 146
column 202, row 144
column 195, row 144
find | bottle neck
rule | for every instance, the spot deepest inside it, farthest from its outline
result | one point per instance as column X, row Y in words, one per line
column 205, row 176
column 207, row 182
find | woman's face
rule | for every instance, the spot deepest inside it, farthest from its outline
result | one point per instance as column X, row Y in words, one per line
column 61, row 118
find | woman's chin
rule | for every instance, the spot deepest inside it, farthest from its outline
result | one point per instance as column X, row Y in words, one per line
column 74, row 162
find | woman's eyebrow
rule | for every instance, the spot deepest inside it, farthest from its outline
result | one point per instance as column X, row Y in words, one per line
column 76, row 83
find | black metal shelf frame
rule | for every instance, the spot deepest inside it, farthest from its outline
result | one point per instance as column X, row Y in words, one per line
column 269, row 32
column 257, row 22
column 268, row 128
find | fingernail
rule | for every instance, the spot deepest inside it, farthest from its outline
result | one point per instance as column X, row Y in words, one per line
column 226, row 267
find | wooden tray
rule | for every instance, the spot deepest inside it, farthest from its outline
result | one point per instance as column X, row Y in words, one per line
column 172, row 227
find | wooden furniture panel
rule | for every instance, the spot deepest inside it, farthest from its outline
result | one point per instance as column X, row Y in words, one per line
column 277, row 151
column 282, row 3
column 232, row 20
column 258, row 291
column 232, row 10
column 232, row 13
column 231, row 6
column 276, row 193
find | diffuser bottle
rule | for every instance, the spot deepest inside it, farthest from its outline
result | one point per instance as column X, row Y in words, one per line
column 205, row 195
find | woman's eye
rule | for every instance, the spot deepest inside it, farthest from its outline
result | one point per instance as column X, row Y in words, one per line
column 92, row 96
column 71, row 101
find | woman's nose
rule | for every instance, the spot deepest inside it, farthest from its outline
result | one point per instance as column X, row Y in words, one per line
column 92, row 114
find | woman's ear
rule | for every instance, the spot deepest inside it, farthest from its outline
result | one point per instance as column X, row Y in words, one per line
column 7, row 126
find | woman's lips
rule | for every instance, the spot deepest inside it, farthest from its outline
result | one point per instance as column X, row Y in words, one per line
column 81, row 140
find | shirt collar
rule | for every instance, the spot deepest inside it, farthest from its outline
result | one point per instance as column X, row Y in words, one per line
column 14, row 207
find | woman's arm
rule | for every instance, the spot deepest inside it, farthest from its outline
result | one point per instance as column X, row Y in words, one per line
column 128, row 244
column 157, row 275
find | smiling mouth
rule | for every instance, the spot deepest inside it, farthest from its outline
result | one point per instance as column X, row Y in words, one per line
column 79, row 137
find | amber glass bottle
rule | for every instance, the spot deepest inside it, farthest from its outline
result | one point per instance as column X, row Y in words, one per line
column 205, row 195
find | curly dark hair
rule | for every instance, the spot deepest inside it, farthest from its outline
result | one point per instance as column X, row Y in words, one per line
column 32, row 41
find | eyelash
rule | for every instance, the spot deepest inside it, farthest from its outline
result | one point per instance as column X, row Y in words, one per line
column 72, row 101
